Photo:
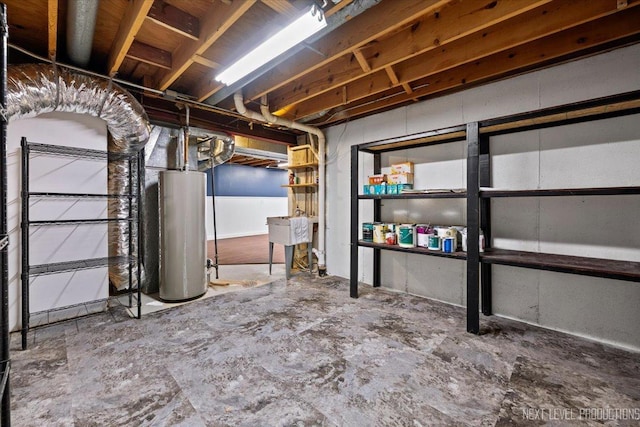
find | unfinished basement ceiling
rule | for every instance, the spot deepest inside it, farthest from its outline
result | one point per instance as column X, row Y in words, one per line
column 373, row 56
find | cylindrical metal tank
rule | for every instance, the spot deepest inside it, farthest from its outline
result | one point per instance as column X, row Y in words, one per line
column 183, row 240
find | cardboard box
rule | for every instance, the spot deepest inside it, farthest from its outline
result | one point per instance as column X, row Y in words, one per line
column 400, row 178
column 405, row 167
column 370, row 189
column 397, row 188
column 377, row 179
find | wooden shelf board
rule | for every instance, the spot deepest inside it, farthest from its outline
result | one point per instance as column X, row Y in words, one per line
column 416, row 250
column 598, row 267
column 299, row 185
column 604, row 191
column 403, row 196
column 311, row 165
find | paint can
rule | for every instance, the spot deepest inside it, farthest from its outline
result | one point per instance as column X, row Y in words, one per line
column 433, row 242
column 421, row 235
column 391, row 238
column 367, row 232
column 464, row 239
column 448, row 245
column 379, row 232
column 452, row 232
column 406, row 236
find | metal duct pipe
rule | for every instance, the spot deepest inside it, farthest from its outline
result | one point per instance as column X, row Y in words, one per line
column 264, row 109
column 266, row 116
column 34, row 89
column 81, row 25
column 185, row 148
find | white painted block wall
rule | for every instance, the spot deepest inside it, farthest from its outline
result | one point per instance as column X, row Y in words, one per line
column 59, row 243
column 602, row 153
column 243, row 216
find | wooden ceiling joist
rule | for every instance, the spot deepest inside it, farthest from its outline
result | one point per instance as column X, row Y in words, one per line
column 129, row 27
column 52, row 22
column 521, row 29
column 213, row 26
column 355, row 33
column 175, row 20
column 564, row 44
column 206, row 62
column 393, row 77
column 283, row 7
column 427, row 34
column 150, row 55
column 362, row 60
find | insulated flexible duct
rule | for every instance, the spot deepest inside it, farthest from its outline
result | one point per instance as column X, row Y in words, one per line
column 34, row 89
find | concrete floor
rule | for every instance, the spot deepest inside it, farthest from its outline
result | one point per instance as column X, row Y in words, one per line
column 303, row 353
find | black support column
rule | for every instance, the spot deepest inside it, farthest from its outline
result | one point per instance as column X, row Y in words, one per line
column 473, row 235
column 377, row 217
column 5, row 411
column 353, row 290
column 24, row 197
column 485, row 223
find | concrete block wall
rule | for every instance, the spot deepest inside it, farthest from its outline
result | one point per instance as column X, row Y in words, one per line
column 601, row 153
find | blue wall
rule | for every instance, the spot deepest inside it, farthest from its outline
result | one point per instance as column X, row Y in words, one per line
column 247, row 181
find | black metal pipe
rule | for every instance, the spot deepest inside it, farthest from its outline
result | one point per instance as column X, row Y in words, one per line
column 215, row 227
column 130, row 229
column 139, row 228
column 5, row 410
column 25, row 241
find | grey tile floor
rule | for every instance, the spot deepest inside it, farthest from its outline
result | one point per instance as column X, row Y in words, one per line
column 303, row 353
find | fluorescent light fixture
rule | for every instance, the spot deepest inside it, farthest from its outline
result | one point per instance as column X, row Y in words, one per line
column 300, row 29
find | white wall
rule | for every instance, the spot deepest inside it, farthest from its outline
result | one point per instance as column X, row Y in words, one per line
column 59, row 243
column 243, row 216
column 602, row 153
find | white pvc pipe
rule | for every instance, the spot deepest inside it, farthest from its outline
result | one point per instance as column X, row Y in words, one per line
column 268, row 117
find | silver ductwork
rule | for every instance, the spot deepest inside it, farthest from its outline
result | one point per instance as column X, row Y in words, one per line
column 34, row 89
column 81, row 24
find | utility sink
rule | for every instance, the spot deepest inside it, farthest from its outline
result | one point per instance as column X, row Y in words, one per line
column 280, row 229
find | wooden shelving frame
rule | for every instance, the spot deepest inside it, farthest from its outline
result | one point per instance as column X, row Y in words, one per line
column 478, row 195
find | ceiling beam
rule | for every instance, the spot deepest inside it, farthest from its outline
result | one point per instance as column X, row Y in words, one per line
column 206, row 62
column 212, row 27
column 174, row 19
column 129, row 27
column 283, row 7
column 393, row 77
column 337, row 8
column 524, row 28
column 569, row 43
column 150, row 55
column 448, row 24
column 364, row 28
column 362, row 60
column 52, row 24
